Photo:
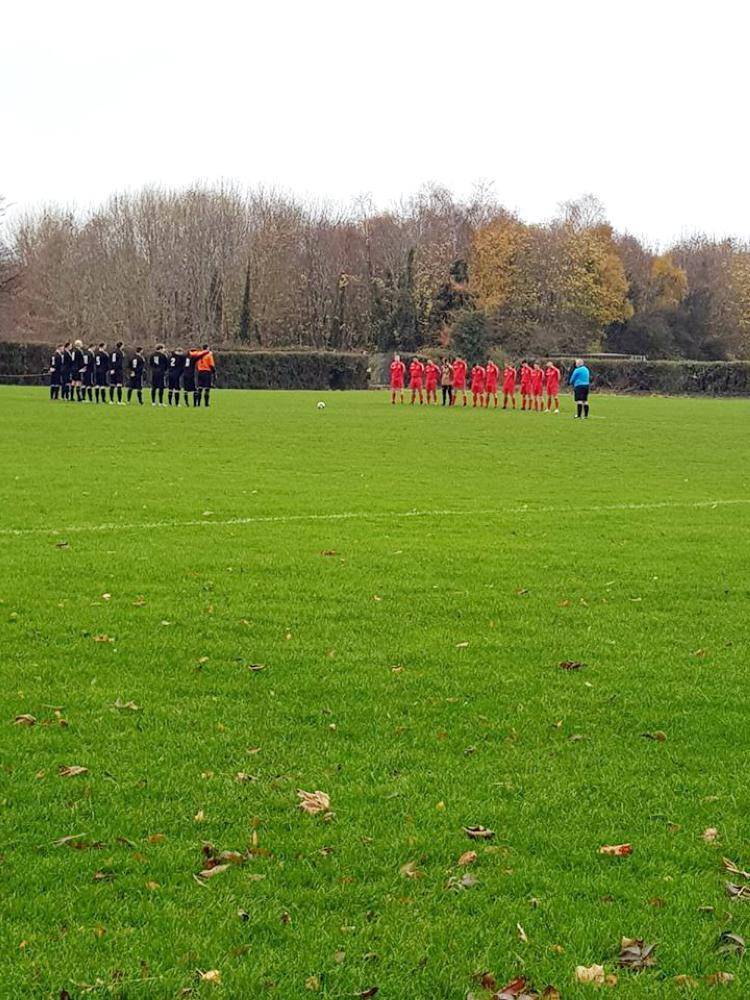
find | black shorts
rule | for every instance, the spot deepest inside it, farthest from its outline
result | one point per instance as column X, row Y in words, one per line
column 65, row 378
column 88, row 378
column 581, row 393
column 136, row 382
column 54, row 378
column 157, row 380
column 100, row 378
column 205, row 380
column 173, row 382
column 188, row 382
column 116, row 377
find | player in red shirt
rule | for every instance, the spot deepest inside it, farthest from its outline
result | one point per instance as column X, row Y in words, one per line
column 416, row 371
column 432, row 374
column 492, row 374
column 459, row 379
column 552, row 383
column 509, row 386
column 477, row 384
column 525, row 385
column 537, row 386
column 398, row 371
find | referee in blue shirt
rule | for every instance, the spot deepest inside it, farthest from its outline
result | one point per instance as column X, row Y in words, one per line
column 580, row 380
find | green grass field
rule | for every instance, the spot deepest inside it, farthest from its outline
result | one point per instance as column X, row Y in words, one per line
column 410, row 580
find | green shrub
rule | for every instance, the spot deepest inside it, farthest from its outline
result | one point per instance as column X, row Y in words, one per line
column 672, row 378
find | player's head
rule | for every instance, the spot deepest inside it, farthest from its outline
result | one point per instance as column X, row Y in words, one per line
column 396, row 357
column 101, row 345
column 118, row 345
column 204, row 347
column 160, row 347
column 579, row 362
column 139, row 350
column 78, row 344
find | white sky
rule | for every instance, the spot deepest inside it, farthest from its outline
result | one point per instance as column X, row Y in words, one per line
column 643, row 104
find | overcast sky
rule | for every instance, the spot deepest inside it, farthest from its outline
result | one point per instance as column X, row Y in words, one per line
column 644, row 104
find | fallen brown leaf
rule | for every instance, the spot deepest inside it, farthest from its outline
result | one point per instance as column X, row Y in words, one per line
column 636, row 954
column 479, row 833
column 71, row 770
column 103, row 638
column 720, row 979
column 616, row 850
column 686, row 982
column 593, row 974
column 313, row 803
column 207, row 873
column 212, row 976
column 710, row 835
column 570, row 665
column 372, row 991
column 658, row 735
column 731, row 944
column 127, row 706
column 737, row 891
column 24, row 720
column 411, row 870
column 732, row 867
column 468, row 858
column 517, row 989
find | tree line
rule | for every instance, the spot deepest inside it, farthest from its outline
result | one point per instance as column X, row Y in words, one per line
column 262, row 269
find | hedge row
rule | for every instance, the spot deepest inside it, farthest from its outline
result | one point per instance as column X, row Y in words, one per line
column 237, row 369
column 672, row 378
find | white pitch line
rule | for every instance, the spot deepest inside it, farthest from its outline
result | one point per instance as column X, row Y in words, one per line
column 371, row 515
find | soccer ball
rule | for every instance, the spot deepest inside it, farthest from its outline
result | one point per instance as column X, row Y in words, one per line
column 321, row 405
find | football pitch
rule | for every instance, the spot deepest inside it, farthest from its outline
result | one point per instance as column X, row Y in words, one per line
column 211, row 610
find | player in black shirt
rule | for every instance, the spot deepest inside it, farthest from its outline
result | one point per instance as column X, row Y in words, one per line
column 158, row 361
column 87, row 373
column 188, row 378
column 101, row 370
column 116, row 366
column 55, row 373
column 135, row 371
column 174, row 374
column 76, row 363
column 67, row 364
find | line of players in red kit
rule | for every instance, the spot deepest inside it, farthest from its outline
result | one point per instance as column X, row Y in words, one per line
column 539, row 386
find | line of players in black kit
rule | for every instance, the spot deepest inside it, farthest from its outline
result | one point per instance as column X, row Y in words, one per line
column 94, row 374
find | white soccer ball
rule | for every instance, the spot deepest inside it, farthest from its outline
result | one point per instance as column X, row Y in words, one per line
column 321, row 405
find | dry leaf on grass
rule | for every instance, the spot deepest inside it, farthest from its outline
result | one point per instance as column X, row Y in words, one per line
column 313, row 803
column 207, row 873
column 103, row 638
column 522, row 936
column 212, row 976
column 127, row 706
column 732, row 867
column 738, row 891
column 457, row 883
column 550, row 993
column 517, row 989
column 593, row 974
column 372, row 991
column 731, row 944
column 24, row 720
column 411, row 870
column 616, row 850
column 479, row 832
column 71, row 770
column 686, row 982
column 658, row 735
column 570, row 665
column 710, row 835
column 468, row 858
column 636, row 954
column 720, row 979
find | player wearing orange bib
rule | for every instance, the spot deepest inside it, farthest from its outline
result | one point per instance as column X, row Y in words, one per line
column 416, row 371
column 509, row 386
column 492, row 374
column 459, row 379
column 398, row 373
column 477, row 384
column 552, row 383
column 432, row 374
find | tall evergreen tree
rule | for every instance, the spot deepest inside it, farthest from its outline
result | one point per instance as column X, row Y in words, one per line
column 243, row 330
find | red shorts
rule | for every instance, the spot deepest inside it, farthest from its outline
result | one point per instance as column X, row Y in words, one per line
column 491, row 387
column 509, row 388
column 397, row 385
column 525, row 389
column 553, row 390
column 415, row 384
column 431, row 386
